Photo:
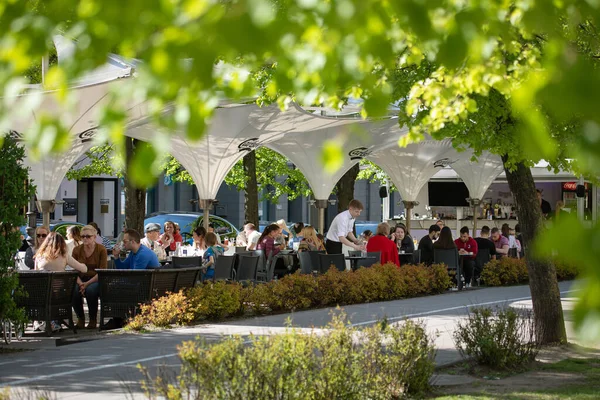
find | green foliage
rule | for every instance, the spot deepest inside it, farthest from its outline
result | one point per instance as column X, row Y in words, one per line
column 512, row 271
column 498, row 338
column 383, row 364
column 215, row 301
column 174, row 308
column 220, row 300
column 14, row 196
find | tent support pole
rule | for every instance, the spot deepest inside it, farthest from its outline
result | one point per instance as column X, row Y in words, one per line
column 474, row 204
column 206, row 204
column 409, row 205
column 321, row 206
column 46, row 206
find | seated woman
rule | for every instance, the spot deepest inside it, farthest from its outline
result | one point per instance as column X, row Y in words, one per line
column 52, row 255
column 73, row 238
column 209, row 258
column 41, row 233
column 367, row 235
column 199, row 235
column 170, row 237
column 403, row 240
column 445, row 241
column 310, row 241
column 266, row 242
column 381, row 243
column 95, row 256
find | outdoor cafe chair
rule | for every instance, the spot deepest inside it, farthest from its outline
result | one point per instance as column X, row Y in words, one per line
column 417, row 257
column 306, row 265
column 374, row 257
column 328, row 260
column 450, row 258
column 247, row 268
column 186, row 262
column 224, row 268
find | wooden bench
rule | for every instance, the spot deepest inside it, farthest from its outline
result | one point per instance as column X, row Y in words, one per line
column 47, row 296
column 122, row 291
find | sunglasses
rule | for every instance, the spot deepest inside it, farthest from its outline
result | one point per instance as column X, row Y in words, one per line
column 42, row 235
column 87, row 236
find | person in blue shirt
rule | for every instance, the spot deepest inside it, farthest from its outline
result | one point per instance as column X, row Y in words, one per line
column 209, row 258
column 140, row 257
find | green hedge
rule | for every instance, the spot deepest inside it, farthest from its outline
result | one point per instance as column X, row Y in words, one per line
column 513, row 271
column 216, row 301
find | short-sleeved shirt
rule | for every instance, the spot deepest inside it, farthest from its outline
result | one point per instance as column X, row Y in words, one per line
column 503, row 241
column 213, row 251
column 253, row 238
column 341, row 226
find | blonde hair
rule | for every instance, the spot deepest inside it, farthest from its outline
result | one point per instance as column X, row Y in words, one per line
column 53, row 247
column 89, row 228
column 310, row 234
column 383, row 229
column 37, row 238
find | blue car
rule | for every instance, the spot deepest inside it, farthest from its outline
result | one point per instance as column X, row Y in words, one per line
column 188, row 220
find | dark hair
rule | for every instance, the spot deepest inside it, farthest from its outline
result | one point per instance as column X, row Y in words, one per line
column 367, row 232
column 494, row 230
column 298, row 226
column 133, row 235
column 505, row 230
column 485, row 230
column 321, row 237
column 434, row 228
column 401, row 225
column 211, row 225
column 518, row 228
column 210, row 239
column 445, row 241
column 355, row 204
column 268, row 230
column 539, row 191
column 464, row 229
column 200, row 231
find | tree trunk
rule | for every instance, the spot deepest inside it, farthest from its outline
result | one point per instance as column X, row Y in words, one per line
column 543, row 284
column 135, row 198
column 251, row 193
column 345, row 188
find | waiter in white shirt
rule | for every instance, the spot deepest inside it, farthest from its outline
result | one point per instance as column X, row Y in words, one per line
column 340, row 231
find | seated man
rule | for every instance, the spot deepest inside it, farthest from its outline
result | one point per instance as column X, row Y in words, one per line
column 484, row 243
column 500, row 242
column 467, row 245
column 151, row 240
column 140, row 257
column 426, row 244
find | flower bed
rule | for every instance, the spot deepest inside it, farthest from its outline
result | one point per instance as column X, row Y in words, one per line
column 216, row 301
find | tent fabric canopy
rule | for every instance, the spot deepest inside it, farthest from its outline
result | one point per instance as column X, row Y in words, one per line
column 230, row 135
column 411, row 167
column 306, row 133
column 477, row 175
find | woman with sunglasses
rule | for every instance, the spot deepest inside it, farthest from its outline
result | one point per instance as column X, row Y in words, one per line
column 40, row 235
column 93, row 255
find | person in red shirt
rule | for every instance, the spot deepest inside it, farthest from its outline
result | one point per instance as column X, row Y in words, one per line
column 380, row 242
column 467, row 245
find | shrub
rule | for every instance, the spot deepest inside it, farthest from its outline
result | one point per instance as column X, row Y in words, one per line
column 294, row 292
column 566, row 271
column 506, row 271
column 216, row 300
column 173, row 308
column 498, row 338
column 343, row 363
column 439, row 280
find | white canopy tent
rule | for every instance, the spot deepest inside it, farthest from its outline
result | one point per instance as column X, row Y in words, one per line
column 477, row 175
column 411, row 167
column 232, row 133
column 304, row 138
column 91, row 92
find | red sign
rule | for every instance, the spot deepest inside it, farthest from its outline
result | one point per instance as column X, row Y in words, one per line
column 571, row 186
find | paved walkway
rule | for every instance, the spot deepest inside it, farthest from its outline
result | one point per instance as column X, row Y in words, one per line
column 103, row 365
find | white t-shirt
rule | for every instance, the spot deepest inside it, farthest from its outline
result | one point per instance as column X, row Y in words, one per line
column 342, row 225
column 253, row 238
